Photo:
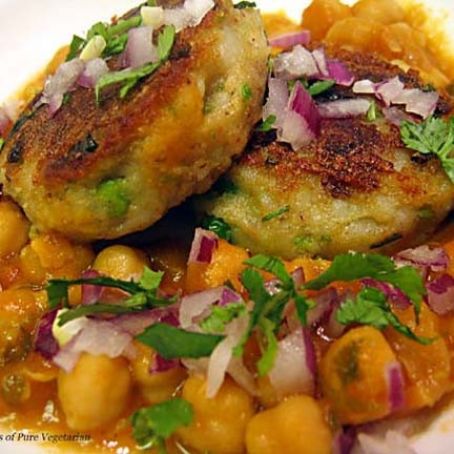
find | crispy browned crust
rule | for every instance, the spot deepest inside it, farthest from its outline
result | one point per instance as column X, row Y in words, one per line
column 350, row 155
column 113, row 124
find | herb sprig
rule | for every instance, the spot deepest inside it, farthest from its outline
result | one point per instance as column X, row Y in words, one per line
column 432, row 136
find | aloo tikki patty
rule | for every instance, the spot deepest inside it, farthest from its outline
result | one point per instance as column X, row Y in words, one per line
column 104, row 169
column 354, row 187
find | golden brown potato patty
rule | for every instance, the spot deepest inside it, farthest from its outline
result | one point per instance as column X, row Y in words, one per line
column 102, row 171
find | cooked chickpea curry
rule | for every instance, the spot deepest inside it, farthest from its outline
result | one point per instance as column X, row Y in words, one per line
column 280, row 312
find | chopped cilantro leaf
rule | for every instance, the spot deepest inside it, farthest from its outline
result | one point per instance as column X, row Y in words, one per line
column 100, row 28
column 123, row 26
column 244, row 5
column 319, row 87
column 165, row 42
column 432, row 136
column 57, row 289
column 276, row 214
column 75, row 47
column 151, row 426
column 373, row 112
column 274, row 266
column 246, row 92
column 354, row 266
column 267, row 125
column 171, row 342
column 222, row 315
column 266, row 362
column 2, row 143
column 218, row 226
column 372, row 308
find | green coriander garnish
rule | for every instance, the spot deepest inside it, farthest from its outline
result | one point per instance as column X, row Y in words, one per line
column 432, row 136
column 373, row 112
column 276, row 214
column 319, row 87
column 151, row 426
column 2, row 143
column 268, row 124
column 171, row 342
column 246, row 92
column 75, row 47
column 244, row 5
column 222, row 315
column 371, row 307
column 218, row 226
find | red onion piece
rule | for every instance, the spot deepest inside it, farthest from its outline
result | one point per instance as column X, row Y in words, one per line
column 97, row 337
column 424, row 256
column 140, row 49
column 196, row 305
column 325, row 302
column 395, row 295
column 277, row 102
column 440, row 294
column 418, row 102
column 338, row 72
column 320, row 59
column 395, row 115
column 203, row 246
column 295, row 64
column 364, row 87
column 91, row 294
column 343, row 440
column 288, row 40
column 395, row 379
column 293, row 370
column 222, row 355
column 344, row 108
column 161, row 364
column 45, row 342
column 93, row 71
column 302, row 122
column 389, row 91
column 60, row 83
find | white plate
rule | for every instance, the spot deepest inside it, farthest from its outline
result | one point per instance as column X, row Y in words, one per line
column 30, row 33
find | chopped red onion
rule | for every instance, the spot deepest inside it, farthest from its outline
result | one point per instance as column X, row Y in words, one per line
column 93, row 71
column 195, row 306
column 389, row 91
column 321, row 61
column 364, row 87
column 91, row 294
column 291, row 39
column 324, row 301
column 395, row 379
column 395, row 295
column 395, row 115
column 424, row 257
column 203, row 246
column 295, row 64
column 343, row 440
column 190, row 14
column 293, row 370
column 338, row 72
column 140, row 49
column 440, row 294
column 302, row 121
column 161, row 364
column 60, row 83
column 223, row 353
column 97, row 337
column 277, row 102
column 333, row 329
column 418, row 102
column 45, row 342
column 344, row 108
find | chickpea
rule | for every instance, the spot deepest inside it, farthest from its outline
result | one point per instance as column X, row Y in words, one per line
column 295, row 425
column 155, row 387
column 219, row 423
column 95, row 392
column 121, row 262
column 13, row 228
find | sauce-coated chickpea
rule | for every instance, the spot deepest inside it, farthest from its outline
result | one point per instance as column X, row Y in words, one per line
column 219, row 424
column 121, row 262
column 95, row 393
column 13, row 228
column 294, row 426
